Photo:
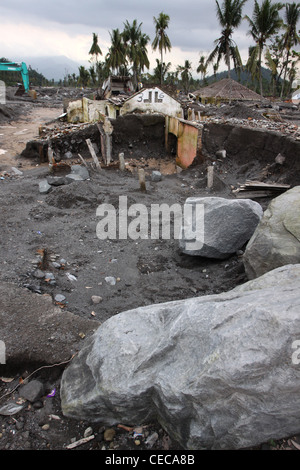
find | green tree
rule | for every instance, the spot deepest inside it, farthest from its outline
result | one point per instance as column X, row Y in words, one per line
column 265, row 23
column 95, row 49
column 291, row 37
column 202, row 68
column 160, row 71
column 185, row 72
column 84, row 76
column 230, row 17
column 136, row 48
column 116, row 56
column 161, row 40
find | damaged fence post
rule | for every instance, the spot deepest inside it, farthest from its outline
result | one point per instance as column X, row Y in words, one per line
column 93, row 153
column 122, row 161
column 51, row 160
column 210, row 177
column 102, row 143
column 142, row 181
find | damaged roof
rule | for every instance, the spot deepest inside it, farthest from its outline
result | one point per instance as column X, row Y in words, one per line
column 227, row 89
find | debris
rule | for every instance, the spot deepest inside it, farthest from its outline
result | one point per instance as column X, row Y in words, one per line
column 52, row 393
column 80, row 442
column 93, row 153
column 71, row 277
column 10, row 409
column 59, row 298
column 257, row 189
column 126, row 428
column 150, row 441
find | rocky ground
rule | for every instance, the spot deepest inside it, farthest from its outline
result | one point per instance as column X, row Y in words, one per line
column 49, row 246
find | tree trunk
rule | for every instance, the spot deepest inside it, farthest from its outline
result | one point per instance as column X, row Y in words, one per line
column 161, row 66
column 260, row 74
column 285, row 72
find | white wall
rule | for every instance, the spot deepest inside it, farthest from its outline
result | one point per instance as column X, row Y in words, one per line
column 152, row 100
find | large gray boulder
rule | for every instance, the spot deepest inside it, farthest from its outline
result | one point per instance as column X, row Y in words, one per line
column 224, row 226
column 216, row 371
column 276, row 240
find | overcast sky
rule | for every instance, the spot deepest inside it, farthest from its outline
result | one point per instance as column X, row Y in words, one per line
column 33, row 28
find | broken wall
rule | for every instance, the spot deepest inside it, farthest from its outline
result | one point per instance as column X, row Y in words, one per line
column 189, row 142
column 86, row 110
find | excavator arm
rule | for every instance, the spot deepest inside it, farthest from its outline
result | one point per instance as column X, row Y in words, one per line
column 14, row 67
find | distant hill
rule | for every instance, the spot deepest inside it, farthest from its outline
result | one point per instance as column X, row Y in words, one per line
column 53, row 67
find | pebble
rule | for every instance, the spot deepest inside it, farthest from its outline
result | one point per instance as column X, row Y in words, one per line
column 59, row 298
column 109, row 434
column 96, row 299
column 88, row 432
column 111, row 280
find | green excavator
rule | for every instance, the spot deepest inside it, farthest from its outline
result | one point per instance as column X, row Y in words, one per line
column 22, row 67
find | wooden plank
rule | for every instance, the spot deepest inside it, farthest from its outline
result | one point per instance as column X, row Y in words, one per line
column 259, row 184
column 252, row 194
column 93, row 153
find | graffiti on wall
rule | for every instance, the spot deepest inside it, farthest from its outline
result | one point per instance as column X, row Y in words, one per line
column 150, row 96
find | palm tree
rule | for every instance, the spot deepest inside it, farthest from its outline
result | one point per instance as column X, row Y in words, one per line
column 265, row 23
column 186, row 75
column 160, row 71
column 202, row 68
column 161, row 40
column 95, row 49
column 136, row 48
column 290, row 37
column 116, row 56
column 230, row 17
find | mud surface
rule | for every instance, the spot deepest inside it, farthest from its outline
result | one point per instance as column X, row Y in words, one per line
column 62, row 224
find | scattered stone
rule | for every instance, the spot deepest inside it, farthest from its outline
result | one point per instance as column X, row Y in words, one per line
column 280, row 159
column 88, row 432
column 44, row 187
column 78, row 173
column 109, row 434
column 59, row 298
column 111, row 280
column 16, row 171
column 221, row 154
column 219, row 366
column 56, row 180
column 38, row 274
column 32, row 391
column 96, row 299
column 156, row 176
